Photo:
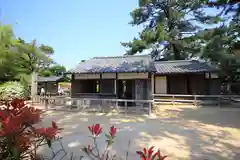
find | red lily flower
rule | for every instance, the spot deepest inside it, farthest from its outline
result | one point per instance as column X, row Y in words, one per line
column 54, row 125
column 49, row 132
column 3, row 114
column 148, row 154
column 95, row 129
column 17, row 103
column 113, row 131
column 9, row 126
column 30, row 115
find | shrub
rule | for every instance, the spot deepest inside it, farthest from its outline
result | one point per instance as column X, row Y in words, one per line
column 92, row 151
column 20, row 138
column 13, row 90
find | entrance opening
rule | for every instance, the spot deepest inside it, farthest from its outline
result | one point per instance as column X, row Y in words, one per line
column 126, row 90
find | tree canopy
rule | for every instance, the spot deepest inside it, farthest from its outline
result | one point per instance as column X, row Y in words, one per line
column 175, row 30
column 18, row 58
column 171, row 25
column 54, row 70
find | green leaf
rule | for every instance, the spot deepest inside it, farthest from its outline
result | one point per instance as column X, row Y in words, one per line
column 109, row 142
column 108, row 136
column 144, row 2
column 49, row 143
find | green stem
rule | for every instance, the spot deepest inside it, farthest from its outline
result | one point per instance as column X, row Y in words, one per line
column 95, row 143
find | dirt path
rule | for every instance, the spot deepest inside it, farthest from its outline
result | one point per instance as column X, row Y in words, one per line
column 180, row 132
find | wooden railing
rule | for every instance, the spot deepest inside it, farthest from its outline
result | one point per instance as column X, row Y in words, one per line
column 129, row 105
column 99, row 105
column 194, row 99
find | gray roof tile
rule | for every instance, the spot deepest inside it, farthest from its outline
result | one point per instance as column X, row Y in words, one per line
column 49, row 79
column 139, row 63
column 182, row 66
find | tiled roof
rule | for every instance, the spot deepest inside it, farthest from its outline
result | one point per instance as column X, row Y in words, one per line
column 182, row 66
column 139, row 63
column 49, row 79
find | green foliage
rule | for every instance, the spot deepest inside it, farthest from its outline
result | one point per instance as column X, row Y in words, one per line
column 34, row 57
column 45, row 73
column 190, row 32
column 7, row 56
column 175, row 22
column 46, row 49
column 13, row 90
column 221, row 44
column 25, row 80
column 18, row 57
column 227, row 6
column 54, row 70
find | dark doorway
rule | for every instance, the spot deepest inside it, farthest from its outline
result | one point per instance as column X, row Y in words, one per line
column 126, row 90
column 129, row 92
column 120, row 89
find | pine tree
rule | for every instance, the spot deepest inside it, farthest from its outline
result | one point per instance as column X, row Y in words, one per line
column 222, row 44
column 171, row 22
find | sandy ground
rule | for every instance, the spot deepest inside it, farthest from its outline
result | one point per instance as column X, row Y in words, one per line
column 180, row 132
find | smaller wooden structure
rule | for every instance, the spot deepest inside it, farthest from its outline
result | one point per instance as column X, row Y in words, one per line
column 50, row 84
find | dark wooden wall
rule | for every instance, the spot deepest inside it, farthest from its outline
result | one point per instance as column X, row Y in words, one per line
column 187, row 84
column 49, row 87
column 107, row 86
column 176, row 84
column 193, row 84
column 84, row 86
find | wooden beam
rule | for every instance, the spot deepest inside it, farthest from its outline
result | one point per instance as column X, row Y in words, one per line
column 34, row 84
column 100, row 83
column 153, row 83
column 108, row 75
column 115, row 86
column 125, row 76
column 87, row 76
column 209, row 86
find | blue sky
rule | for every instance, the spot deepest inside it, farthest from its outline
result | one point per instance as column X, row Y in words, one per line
column 76, row 29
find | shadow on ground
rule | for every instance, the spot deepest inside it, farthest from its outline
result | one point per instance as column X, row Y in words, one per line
column 180, row 132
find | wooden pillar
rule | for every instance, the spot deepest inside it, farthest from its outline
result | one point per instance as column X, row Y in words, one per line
column 153, row 83
column 153, row 92
column 100, row 83
column 45, row 88
column 34, row 84
column 209, row 86
column 115, row 85
column 72, row 85
column 207, row 77
column 46, row 103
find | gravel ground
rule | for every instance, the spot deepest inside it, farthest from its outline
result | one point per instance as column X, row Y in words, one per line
column 181, row 132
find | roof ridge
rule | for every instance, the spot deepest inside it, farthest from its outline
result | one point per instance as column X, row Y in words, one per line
column 50, row 76
column 121, row 56
column 177, row 61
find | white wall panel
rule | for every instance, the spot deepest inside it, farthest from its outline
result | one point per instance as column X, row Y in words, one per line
column 132, row 75
column 87, row 76
column 161, row 85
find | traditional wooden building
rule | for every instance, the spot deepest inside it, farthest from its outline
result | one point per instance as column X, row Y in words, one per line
column 50, row 84
column 139, row 77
